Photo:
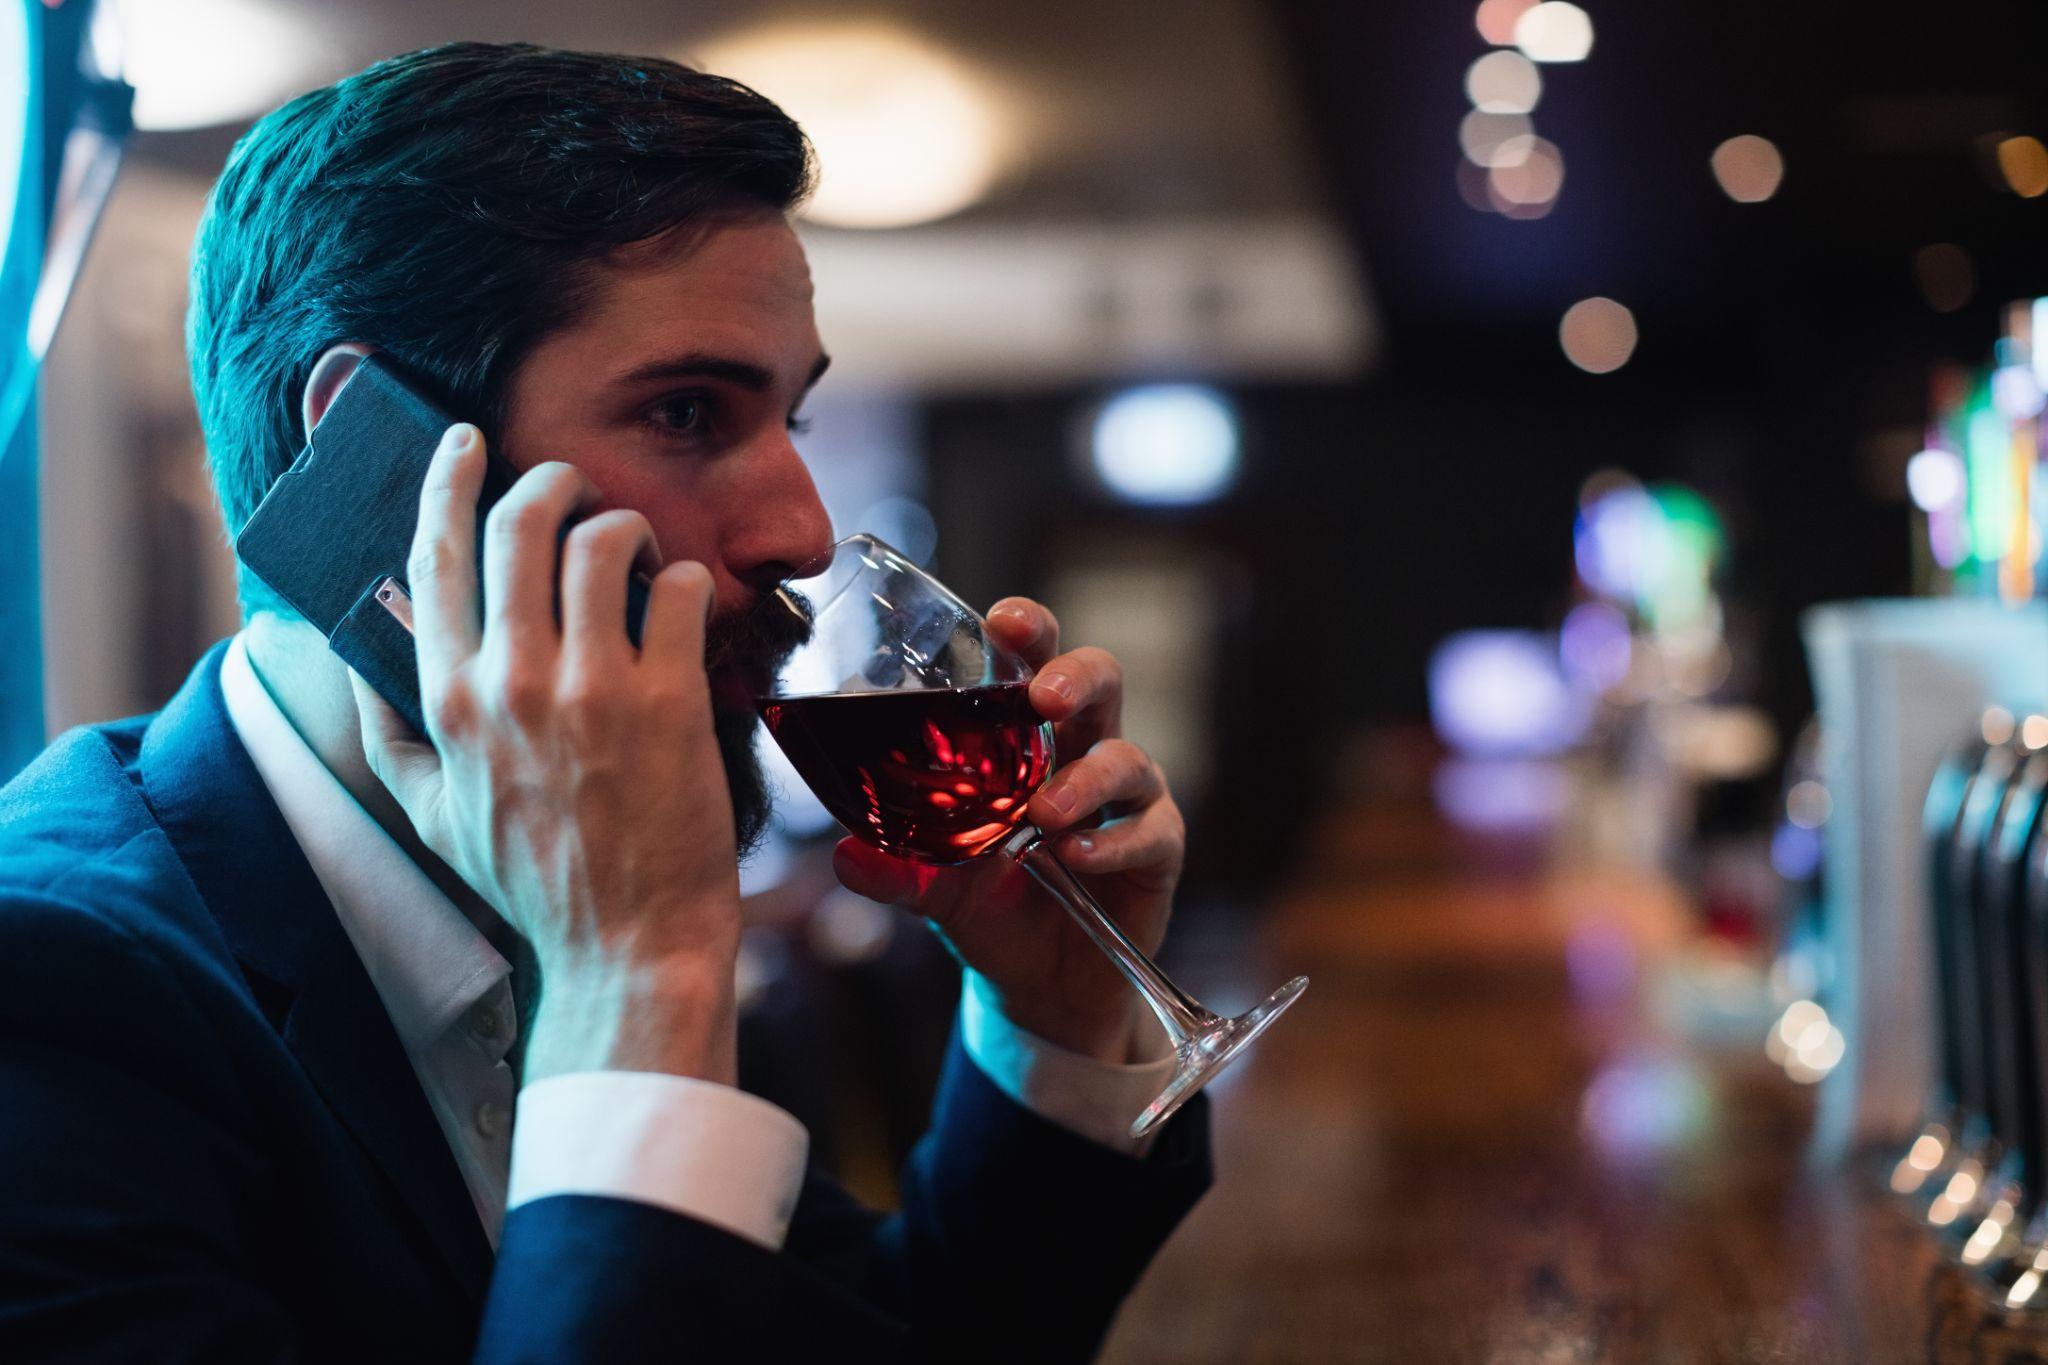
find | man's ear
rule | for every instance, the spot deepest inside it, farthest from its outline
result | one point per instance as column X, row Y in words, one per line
column 330, row 372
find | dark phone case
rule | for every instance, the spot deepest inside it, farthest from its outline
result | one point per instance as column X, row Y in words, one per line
column 339, row 523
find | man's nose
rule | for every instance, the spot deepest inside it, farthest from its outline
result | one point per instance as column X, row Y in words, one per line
column 789, row 529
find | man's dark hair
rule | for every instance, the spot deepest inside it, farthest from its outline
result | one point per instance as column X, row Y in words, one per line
column 439, row 205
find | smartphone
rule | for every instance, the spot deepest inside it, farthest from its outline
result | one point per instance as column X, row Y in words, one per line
column 332, row 535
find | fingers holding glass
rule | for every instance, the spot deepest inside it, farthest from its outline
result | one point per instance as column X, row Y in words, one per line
column 1082, row 693
column 1114, row 771
column 1026, row 628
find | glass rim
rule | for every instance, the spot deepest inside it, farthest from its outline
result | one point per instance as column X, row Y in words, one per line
column 878, row 556
column 822, row 564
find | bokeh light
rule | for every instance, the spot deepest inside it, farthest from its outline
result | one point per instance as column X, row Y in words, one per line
column 1934, row 479
column 1504, row 83
column 1808, row 804
column 188, row 72
column 2015, row 392
column 1503, row 693
column 1641, row 1107
column 1945, row 276
column 1528, row 174
column 1598, row 335
column 1948, row 535
column 1987, row 460
column 1166, row 445
column 1555, row 31
column 1500, row 795
column 1619, row 542
column 2023, row 161
column 1748, row 168
column 1652, row 549
column 1600, row 960
column 1595, row 646
column 2037, row 330
column 1997, row 725
column 1496, row 19
column 1472, row 187
column 1795, row 852
column 1806, row 1042
column 1495, row 139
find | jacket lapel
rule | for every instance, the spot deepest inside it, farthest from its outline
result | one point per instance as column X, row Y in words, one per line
column 306, row 975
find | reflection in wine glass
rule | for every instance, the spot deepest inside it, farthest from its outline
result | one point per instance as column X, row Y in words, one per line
column 915, row 730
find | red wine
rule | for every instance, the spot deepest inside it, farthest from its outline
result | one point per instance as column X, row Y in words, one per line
column 932, row 775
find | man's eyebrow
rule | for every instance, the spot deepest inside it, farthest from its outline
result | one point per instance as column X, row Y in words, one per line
column 743, row 374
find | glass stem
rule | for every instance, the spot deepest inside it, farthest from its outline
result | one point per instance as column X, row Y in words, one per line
column 1179, row 1013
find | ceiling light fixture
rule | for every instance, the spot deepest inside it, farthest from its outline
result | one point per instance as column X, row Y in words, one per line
column 906, row 133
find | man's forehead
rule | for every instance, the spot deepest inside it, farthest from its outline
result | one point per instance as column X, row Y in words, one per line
column 750, row 256
column 736, row 283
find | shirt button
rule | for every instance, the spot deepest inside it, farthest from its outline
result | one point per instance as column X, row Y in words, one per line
column 483, row 1021
column 491, row 1118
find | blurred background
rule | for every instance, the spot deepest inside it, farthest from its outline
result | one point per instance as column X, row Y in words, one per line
column 1447, row 411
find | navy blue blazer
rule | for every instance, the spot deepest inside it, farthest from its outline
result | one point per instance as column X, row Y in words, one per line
column 212, row 1146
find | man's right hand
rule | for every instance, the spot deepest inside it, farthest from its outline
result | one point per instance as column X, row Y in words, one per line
column 573, row 780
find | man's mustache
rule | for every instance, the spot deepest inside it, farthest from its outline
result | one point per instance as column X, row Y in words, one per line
column 764, row 633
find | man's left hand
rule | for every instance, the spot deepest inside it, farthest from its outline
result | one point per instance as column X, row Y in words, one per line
column 1050, row 978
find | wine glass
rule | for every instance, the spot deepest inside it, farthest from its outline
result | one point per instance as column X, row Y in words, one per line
column 913, row 727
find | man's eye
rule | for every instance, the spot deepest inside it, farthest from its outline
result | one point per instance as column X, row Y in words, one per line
column 683, row 415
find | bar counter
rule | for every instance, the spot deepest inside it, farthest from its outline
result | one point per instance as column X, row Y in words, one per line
column 1470, row 1143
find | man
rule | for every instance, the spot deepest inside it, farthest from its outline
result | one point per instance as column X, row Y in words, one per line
column 277, row 976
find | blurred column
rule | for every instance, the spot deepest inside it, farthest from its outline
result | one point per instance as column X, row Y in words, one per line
column 1154, row 600
column 138, row 575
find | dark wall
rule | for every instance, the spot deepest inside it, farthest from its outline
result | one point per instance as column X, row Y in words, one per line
column 1437, row 495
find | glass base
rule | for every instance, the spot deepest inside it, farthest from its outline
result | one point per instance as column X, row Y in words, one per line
column 1204, row 1055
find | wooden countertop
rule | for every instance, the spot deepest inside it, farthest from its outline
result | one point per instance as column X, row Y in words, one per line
column 1469, row 1144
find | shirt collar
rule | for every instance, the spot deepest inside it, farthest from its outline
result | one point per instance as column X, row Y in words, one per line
column 427, row 961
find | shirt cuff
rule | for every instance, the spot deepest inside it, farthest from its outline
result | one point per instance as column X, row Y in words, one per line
column 1097, row 1100
column 694, row 1147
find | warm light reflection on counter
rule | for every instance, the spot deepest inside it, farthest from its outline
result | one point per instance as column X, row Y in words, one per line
column 1961, row 1190
column 1921, row 1160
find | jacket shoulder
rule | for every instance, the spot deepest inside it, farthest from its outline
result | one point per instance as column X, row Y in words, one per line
column 86, row 872
column 76, row 803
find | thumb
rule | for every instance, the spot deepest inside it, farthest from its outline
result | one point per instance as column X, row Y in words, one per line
column 867, row 871
column 402, row 761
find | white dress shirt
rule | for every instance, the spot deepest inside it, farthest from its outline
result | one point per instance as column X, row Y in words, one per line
column 706, row 1150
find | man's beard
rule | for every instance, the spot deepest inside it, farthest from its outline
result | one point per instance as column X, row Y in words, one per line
column 745, row 779
column 758, row 641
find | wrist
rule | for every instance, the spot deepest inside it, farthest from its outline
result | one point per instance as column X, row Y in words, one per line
column 676, row 1015
column 1122, row 1033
